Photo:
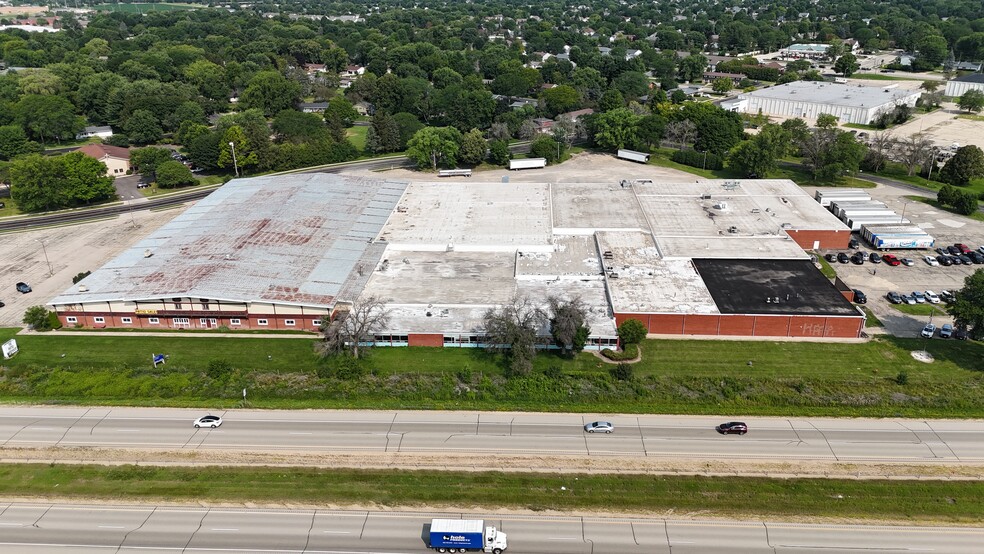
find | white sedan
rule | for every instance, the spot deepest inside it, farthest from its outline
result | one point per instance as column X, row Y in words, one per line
column 210, row 421
column 931, row 261
column 932, row 297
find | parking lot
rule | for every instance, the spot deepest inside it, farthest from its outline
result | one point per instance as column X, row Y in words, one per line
column 877, row 280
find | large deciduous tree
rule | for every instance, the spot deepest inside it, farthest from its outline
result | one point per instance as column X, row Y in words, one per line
column 271, row 92
column 847, row 65
column 512, row 330
column 966, row 164
column 972, row 101
column 473, row 147
column 760, row 155
column 40, row 183
column 968, row 308
column 568, row 324
column 349, row 329
column 913, row 151
column 431, row 146
column 172, row 174
column 47, row 117
column 616, row 129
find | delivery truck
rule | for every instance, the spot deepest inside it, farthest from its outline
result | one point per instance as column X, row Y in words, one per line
column 465, row 535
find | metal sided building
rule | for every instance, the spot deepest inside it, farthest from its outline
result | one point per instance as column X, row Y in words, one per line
column 809, row 99
column 258, row 253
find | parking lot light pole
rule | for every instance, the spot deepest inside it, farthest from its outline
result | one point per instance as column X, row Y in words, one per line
column 902, row 217
column 234, row 163
column 45, row 250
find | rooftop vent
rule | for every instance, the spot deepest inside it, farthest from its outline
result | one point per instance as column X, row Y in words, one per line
column 148, row 253
column 83, row 288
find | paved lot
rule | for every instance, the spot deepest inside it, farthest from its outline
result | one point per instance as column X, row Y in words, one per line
column 944, row 127
column 877, row 280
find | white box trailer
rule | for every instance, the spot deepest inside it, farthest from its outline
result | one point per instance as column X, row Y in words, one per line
column 896, row 236
column 632, row 155
column 839, row 206
column 856, row 223
column 826, row 196
column 881, row 216
column 528, row 163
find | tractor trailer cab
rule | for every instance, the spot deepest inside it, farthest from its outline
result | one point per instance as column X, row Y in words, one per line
column 465, row 535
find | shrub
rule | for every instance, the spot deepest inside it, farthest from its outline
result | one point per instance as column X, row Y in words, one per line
column 553, row 372
column 218, row 369
column 622, row 372
column 630, row 352
column 902, row 378
column 694, row 158
column 631, row 332
column 38, row 318
column 80, row 276
column 53, row 321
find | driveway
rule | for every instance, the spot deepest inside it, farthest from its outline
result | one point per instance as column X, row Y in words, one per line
column 126, row 188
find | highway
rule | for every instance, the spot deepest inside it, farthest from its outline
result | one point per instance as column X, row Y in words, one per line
column 501, row 434
column 60, row 528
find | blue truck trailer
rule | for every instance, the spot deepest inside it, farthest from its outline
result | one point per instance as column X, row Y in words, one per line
column 465, row 535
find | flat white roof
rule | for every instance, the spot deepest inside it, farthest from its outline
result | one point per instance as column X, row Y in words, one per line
column 833, row 94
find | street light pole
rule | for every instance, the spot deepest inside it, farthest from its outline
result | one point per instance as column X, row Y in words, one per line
column 902, row 217
column 235, row 164
column 46, row 260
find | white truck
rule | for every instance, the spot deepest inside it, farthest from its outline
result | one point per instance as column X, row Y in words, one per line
column 465, row 535
column 527, row 163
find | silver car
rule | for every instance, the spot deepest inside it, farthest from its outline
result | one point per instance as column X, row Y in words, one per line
column 599, row 427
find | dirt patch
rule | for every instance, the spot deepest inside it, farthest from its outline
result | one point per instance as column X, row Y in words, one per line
column 922, row 356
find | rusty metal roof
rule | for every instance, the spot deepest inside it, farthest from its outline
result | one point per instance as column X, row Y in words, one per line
column 291, row 239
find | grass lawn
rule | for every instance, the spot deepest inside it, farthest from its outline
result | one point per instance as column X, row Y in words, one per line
column 919, row 309
column 955, row 502
column 825, row 267
column 357, row 136
column 978, row 215
column 674, row 376
column 971, row 117
column 871, row 319
column 10, row 207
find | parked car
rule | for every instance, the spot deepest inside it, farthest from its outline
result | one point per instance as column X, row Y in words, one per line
column 932, row 297
column 842, row 257
column 2, row 304
column 599, row 427
column 947, row 296
column 946, row 331
column 908, row 299
column 961, row 334
column 920, row 297
column 981, row 249
column 944, row 260
column 942, row 251
column 891, row 260
column 908, row 262
column 860, row 297
column 963, row 248
column 853, row 244
column 23, row 288
column 874, row 258
column 831, row 257
column 955, row 260
column 894, row 297
column 965, row 259
column 953, row 251
column 142, row 185
column 976, row 256
column 928, row 331
column 211, row 421
column 732, row 428
column 931, row 261
column 857, row 258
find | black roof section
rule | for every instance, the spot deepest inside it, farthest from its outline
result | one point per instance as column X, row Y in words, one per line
column 787, row 287
column 971, row 78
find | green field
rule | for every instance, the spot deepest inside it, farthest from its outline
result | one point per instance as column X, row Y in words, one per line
column 357, row 136
column 954, row 502
column 146, row 7
column 897, row 76
column 674, row 376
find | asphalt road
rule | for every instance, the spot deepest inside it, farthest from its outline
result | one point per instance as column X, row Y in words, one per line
column 494, row 433
column 37, row 528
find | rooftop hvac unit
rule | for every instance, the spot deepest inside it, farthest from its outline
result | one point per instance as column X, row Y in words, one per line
column 83, row 288
column 732, row 229
column 148, row 253
column 723, row 206
column 705, row 197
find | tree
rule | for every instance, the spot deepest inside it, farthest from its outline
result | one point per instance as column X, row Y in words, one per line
column 172, row 174
column 146, row 160
column 40, row 183
column 692, row 67
column 847, row 65
column 968, row 307
column 339, row 107
column 350, row 328
column 270, row 92
column 760, row 155
column 85, row 179
column 965, row 165
column 913, row 151
column 830, row 153
column 499, row 152
column 383, row 134
column 611, row 100
column 826, row 121
column 38, row 318
column 651, row 129
column 13, row 141
column 527, row 129
column 962, row 202
column 142, row 127
column 433, row 145
column 408, row 125
column 560, row 99
column 881, row 148
column 544, row 146
column 512, row 330
column 632, row 331
column 47, row 117
column 567, row 324
column 566, row 130
column 972, row 101
column 473, row 147
column 616, row 129
column 722, row 85
column 298, row 127
column 682, row 133
column 245, row 156
column 932, row 50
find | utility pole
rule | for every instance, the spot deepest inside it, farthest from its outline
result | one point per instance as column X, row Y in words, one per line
column 235, row 164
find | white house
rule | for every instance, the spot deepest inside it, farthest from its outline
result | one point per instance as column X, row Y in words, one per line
column 92, row 131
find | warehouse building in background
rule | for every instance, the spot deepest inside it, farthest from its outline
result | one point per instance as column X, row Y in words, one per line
column 285, row 252
column 809, row 99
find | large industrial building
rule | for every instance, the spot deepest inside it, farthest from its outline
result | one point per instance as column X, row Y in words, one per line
column 283, row 252
column 809, row 99
column 960, row 85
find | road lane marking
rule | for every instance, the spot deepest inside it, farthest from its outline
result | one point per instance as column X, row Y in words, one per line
column 225, row 529
column 338, row 532
column 12, row 524
column 111, row 527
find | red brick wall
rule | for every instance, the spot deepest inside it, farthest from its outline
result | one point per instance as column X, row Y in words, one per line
column 736, row 325
column 142, row 321
column 771, row 326
column 828, row 239
column 666, row 324
column 422, row 339
column 749, row 325
column 702, row 325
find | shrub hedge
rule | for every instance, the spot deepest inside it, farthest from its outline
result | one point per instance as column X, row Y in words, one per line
column 694, row 158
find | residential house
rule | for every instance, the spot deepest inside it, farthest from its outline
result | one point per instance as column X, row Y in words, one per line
column 116, row 158
column 314, row 68
column 313, row 107
column 711, row 76
column 543, row 125
column 968, row 66
column 353, row 71
column 93, row 131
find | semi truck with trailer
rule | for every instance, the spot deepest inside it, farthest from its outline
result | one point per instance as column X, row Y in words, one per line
column 465, row 535
column 825, row 197
column 528, row 163
column 896, row 237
